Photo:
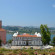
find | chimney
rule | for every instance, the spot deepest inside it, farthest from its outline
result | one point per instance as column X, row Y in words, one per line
column 0, row 24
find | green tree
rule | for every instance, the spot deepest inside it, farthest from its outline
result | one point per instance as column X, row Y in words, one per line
column 45, row 34
column 53, row 40
column 10, row 41
column 0, row 42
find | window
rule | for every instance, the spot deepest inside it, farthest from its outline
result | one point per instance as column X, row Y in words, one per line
column 24, row 42
column 36, row 38
column 19, row 38
column 29, row 42
column 19, row 43
column 34, row 42
column 23, row 38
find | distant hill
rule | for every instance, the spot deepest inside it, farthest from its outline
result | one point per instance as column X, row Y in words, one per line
column 26, row 29
column 22, row 29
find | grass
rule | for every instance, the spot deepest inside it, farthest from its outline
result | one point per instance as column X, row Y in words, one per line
column 28, row 51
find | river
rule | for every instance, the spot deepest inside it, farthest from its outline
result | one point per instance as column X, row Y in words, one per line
column 9, row 36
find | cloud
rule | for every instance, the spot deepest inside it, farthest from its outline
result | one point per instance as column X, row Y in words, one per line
column 53, row 5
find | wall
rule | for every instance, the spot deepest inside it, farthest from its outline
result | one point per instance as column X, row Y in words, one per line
column 34, row 41
column 3, row 36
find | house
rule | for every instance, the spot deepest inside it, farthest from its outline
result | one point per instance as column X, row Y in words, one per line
column 2, row 34
column 27, row 39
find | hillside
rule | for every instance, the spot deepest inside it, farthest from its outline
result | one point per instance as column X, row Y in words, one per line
column 26, row 29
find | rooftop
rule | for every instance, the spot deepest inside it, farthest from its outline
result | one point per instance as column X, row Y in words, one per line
column 26, row 35
column 2, row 29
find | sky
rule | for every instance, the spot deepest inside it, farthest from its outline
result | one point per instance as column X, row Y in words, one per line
column 27, row 12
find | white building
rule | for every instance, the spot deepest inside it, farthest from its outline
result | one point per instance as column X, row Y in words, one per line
column 27, row 40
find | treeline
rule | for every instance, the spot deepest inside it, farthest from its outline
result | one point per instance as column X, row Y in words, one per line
column 30, row 30
column 22, row 29
column 10, row 28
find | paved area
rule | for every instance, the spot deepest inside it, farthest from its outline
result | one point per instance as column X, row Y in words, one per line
column 8, row 46
column 26, row 47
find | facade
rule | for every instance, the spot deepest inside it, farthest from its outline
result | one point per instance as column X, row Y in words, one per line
column 27, row 40
column 2, row 34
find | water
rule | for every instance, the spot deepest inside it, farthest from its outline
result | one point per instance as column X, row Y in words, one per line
column 53, row 35
column 9, row 36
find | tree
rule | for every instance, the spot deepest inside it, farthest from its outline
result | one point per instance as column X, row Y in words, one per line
column 0, row 42
column 10, row 41
column 53, row 40
column 45, row 34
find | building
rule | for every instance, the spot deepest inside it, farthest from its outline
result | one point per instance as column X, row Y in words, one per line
column 27, row 39
column 2, row 34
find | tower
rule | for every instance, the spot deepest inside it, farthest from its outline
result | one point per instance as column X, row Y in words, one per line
column 2, row 33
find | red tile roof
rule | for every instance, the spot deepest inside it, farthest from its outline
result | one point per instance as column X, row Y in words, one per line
column 2, row 29
column 27, row 35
